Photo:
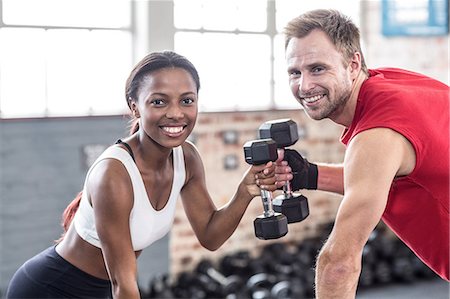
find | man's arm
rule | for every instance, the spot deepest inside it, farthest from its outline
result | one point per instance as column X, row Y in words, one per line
column 330, row 178
column 372, row 160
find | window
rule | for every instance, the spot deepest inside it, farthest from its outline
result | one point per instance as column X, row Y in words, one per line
column 238, row 48
column 64, row 57
column 228, row 43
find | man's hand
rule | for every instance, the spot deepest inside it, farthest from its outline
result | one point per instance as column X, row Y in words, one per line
column 305, row 173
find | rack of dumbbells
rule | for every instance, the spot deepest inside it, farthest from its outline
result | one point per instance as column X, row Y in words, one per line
column 287, row 271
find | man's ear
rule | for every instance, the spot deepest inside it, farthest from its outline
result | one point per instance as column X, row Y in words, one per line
column 355, row 64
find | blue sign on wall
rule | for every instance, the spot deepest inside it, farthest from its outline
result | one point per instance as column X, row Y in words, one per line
column 415, row 17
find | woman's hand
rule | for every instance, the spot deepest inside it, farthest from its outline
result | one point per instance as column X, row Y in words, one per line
column 270, row 176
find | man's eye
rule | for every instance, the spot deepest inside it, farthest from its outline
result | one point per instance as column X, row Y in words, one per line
column 295, row 74
column 318, row 69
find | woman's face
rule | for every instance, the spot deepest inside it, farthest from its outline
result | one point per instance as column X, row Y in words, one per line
column 167, row 106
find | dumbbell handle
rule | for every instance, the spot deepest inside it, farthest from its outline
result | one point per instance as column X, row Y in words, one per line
column 217, row 276
column 266, row 197
column 287, row 190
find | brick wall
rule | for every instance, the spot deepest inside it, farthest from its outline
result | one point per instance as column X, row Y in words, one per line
column 320, row 143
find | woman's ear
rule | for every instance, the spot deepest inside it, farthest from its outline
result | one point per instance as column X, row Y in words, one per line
column 134, row 109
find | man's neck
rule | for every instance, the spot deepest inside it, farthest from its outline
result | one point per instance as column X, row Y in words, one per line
column 346, row 117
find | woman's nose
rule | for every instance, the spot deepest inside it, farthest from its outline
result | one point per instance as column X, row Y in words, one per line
column 174, row 111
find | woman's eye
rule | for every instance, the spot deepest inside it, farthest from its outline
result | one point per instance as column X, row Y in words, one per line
column 157, row 102
column 187, row 101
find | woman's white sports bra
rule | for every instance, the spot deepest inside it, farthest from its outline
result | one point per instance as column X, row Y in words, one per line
column 146, row 224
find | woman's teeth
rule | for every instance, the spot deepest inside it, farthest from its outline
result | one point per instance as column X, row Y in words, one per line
column 173, row 130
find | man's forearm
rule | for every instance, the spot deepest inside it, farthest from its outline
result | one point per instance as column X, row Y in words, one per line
column 336, row 279
column 331, row 178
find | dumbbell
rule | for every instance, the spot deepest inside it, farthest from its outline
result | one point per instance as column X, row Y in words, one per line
column 269, row 225
column 293, row 205
column 259, row 285
column 288, row 289
column 228, row 285
column 188, row 285
column 159, row 287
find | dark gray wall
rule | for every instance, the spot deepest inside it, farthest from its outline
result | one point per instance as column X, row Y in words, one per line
column 43, row 165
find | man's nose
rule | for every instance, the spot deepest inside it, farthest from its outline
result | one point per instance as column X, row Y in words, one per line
column 306, row 84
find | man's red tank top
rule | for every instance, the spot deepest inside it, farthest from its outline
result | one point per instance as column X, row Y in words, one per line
column 417, row 107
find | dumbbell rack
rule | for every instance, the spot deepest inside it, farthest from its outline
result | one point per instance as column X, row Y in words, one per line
column 282, row 271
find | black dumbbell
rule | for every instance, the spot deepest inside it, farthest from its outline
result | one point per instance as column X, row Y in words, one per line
column 188, row 285
column 228, row 285
column 288, row 289
column 285, row 133
column 269, row 225
column 159, row 287
column 259, row 285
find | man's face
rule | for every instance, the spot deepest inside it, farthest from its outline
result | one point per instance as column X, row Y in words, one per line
column 319, row 77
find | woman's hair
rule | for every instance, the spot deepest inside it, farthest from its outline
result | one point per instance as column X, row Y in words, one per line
column 342, row 32
column 150, row 63
column 69, row 213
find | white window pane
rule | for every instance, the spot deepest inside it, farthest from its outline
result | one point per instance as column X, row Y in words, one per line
column 188, row 14
column 86, row 71
column 248, row 15
column 110, row 70
column 89, row 13
column 289, row 9
column 219, row 15
column 283, row 96
column 252, row 15
column 69, row 67
column 22, row 72
column 234, row 69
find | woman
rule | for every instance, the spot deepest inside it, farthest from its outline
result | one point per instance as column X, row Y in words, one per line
column 128, row 200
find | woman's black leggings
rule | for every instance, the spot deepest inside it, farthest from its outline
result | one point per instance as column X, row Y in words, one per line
column 48, row 275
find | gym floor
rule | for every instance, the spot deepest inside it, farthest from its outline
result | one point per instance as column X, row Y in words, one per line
column 427, row 289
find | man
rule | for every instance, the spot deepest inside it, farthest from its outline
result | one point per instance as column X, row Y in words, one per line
column 396, row 165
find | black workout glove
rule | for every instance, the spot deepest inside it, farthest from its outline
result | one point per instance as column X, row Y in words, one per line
column 305, row 173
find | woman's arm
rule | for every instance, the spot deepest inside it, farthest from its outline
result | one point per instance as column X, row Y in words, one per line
column 214, row 226
column 111, row 195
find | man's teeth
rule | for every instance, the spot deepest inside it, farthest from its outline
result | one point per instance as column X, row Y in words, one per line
column 313, row 99
column 173, row 129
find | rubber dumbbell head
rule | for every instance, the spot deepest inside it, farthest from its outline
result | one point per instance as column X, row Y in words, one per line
column 260, row 151
column 294, row 206
column 283, row 131
column 272, row 227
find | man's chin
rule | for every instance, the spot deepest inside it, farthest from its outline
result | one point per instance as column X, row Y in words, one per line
column 314, row 115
